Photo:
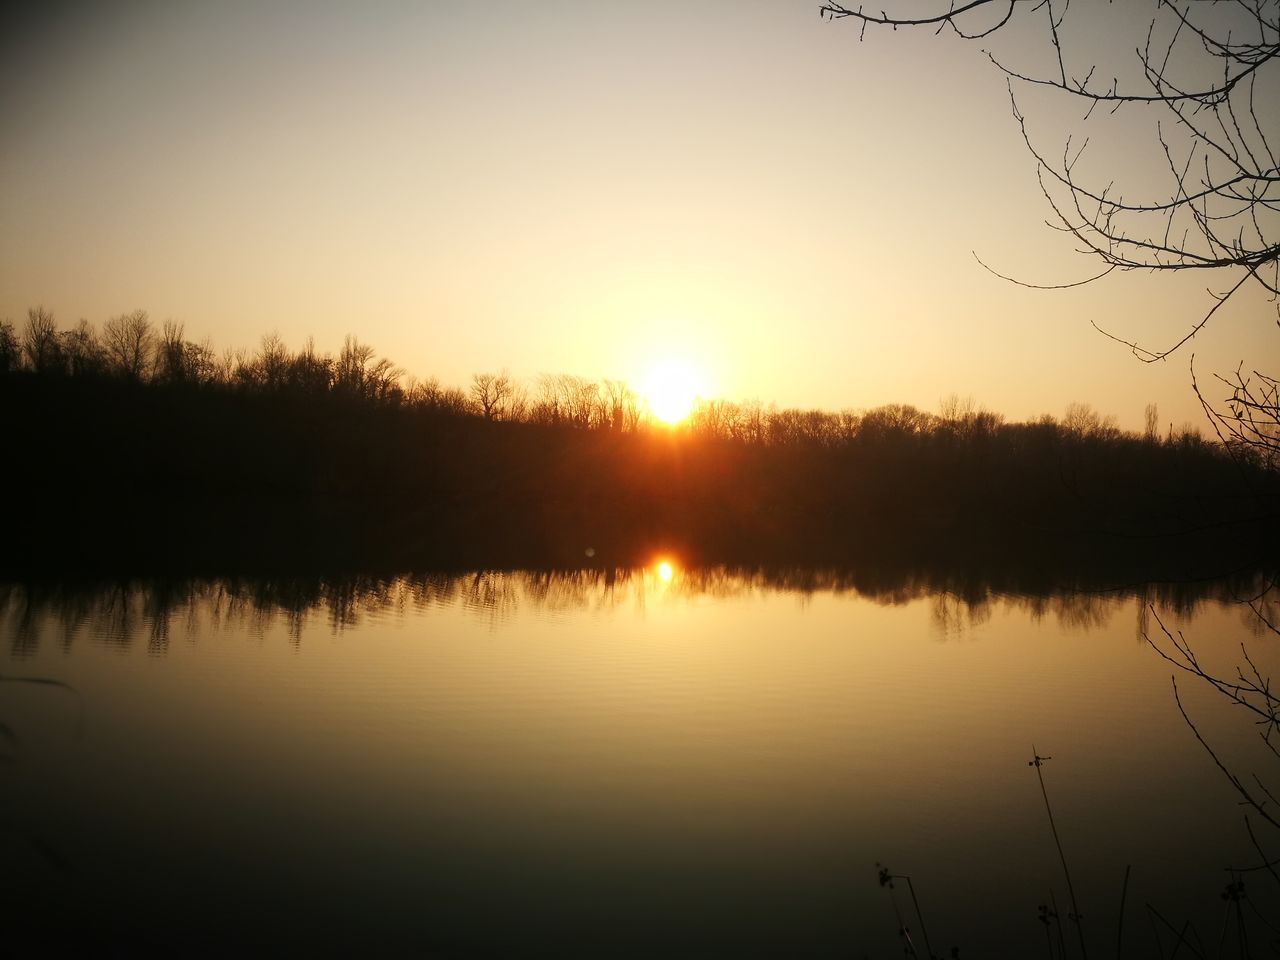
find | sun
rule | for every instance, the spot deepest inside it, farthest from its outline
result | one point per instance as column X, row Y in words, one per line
column 671, row 390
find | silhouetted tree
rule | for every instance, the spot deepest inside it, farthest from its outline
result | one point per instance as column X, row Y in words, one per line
column 713, row 419
column 382, row 382
column 353, row 362
column 40, row 342
column 309, row 372
column 1081, row 421
column 546, row 406
column 575, row 401
column 82, row 351
column 357, row 374
column 128, row 341
column 493, row 394
column 582, row 400
column 430, row 396
column 893, row 421
column 622, row 408
column 953, row 409
column 271, row 362
column 171, row 355
column 235, row 368
column 10, row 351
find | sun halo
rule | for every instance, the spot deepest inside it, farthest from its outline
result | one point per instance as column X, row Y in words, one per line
column 672, row 391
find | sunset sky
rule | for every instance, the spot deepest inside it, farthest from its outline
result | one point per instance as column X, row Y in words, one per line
column 590, row 188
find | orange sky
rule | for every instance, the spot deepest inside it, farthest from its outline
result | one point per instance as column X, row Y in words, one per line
column 590, row 188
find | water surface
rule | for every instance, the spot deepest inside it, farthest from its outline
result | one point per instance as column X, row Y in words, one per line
column 653, row 761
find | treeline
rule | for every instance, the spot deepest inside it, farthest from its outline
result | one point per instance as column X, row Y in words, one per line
column 131, row 348
column 135, row 443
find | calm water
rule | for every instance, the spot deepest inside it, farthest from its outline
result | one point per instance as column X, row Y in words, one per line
column 655, row 762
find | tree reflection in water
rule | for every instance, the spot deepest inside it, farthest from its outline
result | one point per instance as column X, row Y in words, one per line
column 117, row 612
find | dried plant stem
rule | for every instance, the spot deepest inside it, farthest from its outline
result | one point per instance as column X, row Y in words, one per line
column 1124, row 893
column 928, row 948
column 1037, row 762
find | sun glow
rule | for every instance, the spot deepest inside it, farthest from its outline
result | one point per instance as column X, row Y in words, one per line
column 664, row 570
column 672, row 390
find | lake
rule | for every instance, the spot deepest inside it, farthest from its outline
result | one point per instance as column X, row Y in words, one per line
column 656, row 761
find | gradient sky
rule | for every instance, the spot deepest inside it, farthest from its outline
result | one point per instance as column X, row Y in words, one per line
column 573, row 187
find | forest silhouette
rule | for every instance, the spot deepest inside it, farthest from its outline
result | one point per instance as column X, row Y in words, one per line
column 135, row 449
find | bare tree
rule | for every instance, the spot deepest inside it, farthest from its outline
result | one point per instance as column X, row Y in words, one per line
column 272, row 361
column 382, row 382
column 582, row 397
column 358, row 374
column 1250, row 690
column 1151, row 423
column 548, row 406
column 82, row 350
column 170, row 360
column 1249, row 423
column 234, row 367
column 1206, row 78
column 622, row 406
column 954, row 409
column 129, row 341
column 352, row 367
column 1081, row 421
column 563, row 398
column 10, row 352
column 894, row 420
column 430, row 395
column 310, row 372
column 494, row 394
column 178, row 360
column 40, row 342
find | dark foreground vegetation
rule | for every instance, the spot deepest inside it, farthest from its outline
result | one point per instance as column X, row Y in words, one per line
column 137, row 449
